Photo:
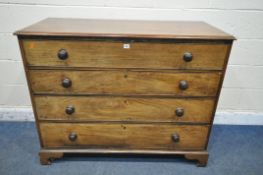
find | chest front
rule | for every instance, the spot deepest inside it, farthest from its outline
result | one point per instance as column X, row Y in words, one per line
column 123, row 93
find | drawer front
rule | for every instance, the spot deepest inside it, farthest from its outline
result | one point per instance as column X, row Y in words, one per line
column 125, row 55
column 124, row 136
column 124, row 82
column 123, row 109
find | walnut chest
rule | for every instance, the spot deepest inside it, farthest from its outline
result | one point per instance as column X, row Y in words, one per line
column 124, row 87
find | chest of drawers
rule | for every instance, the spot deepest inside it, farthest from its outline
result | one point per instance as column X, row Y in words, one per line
column 124, row 87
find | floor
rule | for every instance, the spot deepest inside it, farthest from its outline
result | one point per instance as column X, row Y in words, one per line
column 233, row 150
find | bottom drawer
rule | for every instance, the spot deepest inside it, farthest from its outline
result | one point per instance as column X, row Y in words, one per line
column 124, row 136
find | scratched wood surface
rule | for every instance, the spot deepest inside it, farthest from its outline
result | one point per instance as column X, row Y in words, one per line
column 125, row 79
column 101, row 54
column 124, row 82
column 70, row 27
column 128, row 109
column 123, row 136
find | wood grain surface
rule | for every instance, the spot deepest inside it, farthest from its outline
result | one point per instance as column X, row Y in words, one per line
column 124, row 82
column 125, row 77
column 123, row 136
column 124, row 28
column 128, row 109
column 109, row 54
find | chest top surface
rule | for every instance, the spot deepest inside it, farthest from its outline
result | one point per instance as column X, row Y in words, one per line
column 124, row 29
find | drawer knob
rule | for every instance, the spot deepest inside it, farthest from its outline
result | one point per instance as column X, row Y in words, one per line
column 72, row 136
column 70, row 110
column 188, row 56
column 176, row 137
column 62, row 54
column 66, row 83
column 179, row 112
column 183, row 85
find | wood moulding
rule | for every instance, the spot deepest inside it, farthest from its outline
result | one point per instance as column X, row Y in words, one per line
column 49, row 155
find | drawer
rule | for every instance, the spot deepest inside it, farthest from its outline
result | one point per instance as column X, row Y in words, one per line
column 123, row 109
column 124, row 82
column 109, row 54
column 124, row 136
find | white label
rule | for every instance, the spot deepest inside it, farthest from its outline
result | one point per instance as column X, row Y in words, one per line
column 126, row 46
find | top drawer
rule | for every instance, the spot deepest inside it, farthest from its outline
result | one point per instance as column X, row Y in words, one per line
column 119, row 54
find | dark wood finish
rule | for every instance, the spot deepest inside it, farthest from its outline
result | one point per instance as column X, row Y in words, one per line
column 123, row 109
column 124, row 28
column 133, row 87
column 112, row 54
column 123, row 136
column 124, row 82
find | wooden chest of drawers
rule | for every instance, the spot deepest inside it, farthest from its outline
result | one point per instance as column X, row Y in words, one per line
column 126, row 87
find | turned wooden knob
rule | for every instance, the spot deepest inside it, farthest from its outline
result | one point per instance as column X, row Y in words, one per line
column 66, row 83
column 175, row 137
column 183, row 85
column 70, row 110
column 179, row 112
column 72, row 136
column 188, row 56
column 62, row 54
